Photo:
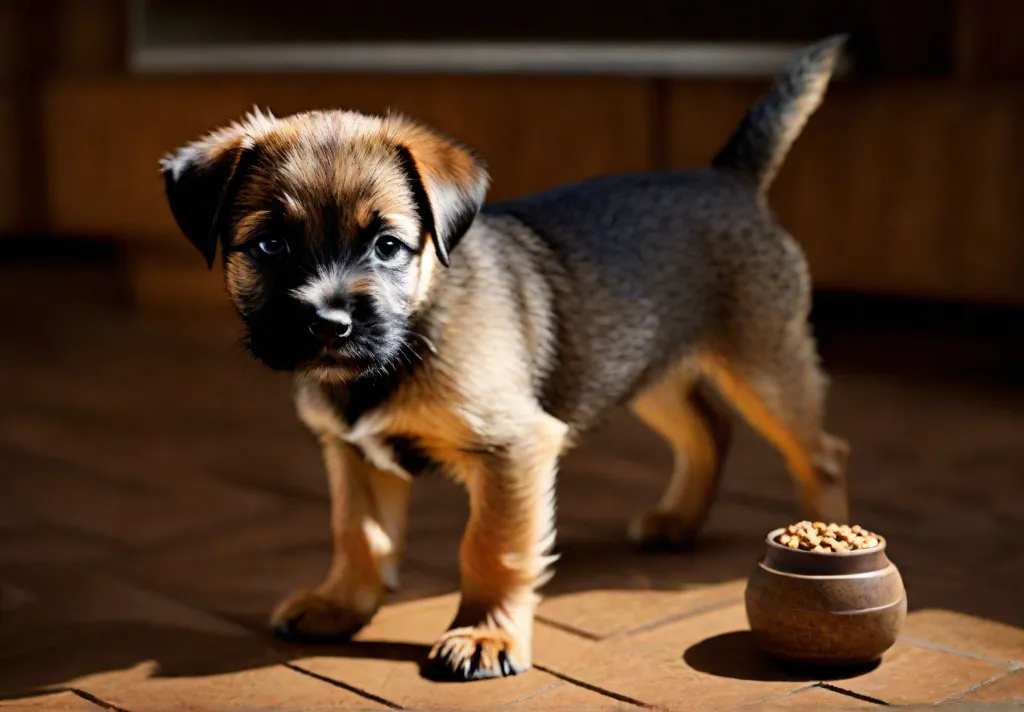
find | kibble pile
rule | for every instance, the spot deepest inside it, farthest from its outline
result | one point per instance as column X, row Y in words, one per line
column 818, row 536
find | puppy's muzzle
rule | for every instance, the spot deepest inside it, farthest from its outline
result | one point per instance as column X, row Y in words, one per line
column 331, row 326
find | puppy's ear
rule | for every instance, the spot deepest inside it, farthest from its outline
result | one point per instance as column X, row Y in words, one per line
column 448, row 184
column 201, row 181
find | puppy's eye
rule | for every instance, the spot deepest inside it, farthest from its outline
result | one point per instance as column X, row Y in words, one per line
column 387, row 247
column 273, row 247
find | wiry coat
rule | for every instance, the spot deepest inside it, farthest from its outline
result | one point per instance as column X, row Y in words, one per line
column 428, row 335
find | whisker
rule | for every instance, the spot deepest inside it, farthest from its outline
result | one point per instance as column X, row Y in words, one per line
column 428, row 342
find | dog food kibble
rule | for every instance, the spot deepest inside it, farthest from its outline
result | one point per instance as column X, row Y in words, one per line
column 818, row 536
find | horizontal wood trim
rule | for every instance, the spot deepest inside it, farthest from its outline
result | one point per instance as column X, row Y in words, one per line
column 105, row 136
column 905, row 188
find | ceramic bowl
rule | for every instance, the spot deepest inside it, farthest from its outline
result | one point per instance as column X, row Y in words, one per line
column 825, row 608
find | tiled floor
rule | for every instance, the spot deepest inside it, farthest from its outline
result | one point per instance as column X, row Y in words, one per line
column 157, row 497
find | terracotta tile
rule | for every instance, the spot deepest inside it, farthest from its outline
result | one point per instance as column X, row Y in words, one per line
column 55, row 702
column 955, row 706
column 812, row 699
column 1006, row 689
column 386, row 657
column 266, row 447
column 244, row 571
column 230, row 471
column 604, row 613
column 40, row 545
column 271, row 688
column 963, row 594
column 554, row 648
column 910, row 674
column 603, row 586
column 71, row 626
column 133, row 512
column 706, row 662
column 566, row 696
column 965, row 633
column 606, row 500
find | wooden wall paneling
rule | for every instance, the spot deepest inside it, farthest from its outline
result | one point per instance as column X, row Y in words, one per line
column 104, row 136
column 90, row 36
column 40, row 40
column 9, row 188
column 8, row 117
column 28, row 60
column 905, row 188
column 987, row 39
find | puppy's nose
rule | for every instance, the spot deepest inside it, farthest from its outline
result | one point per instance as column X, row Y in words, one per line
column 331, row 325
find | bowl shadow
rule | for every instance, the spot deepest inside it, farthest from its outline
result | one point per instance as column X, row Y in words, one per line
column 737, row 656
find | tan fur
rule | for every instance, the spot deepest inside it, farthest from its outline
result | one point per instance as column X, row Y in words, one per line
column 787, row 412
column 368, row 519
column 428, row 264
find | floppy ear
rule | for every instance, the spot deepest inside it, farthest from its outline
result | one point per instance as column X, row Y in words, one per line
column 448, row 184
column 201, row 180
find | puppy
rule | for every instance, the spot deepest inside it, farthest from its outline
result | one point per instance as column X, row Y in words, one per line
column 429, row 333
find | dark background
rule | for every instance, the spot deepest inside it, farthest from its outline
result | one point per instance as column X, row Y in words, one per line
column 907, row 182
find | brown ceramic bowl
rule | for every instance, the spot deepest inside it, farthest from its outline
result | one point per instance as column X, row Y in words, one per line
column 825, row 608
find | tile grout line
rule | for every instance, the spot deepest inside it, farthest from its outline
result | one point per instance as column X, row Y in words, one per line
column 182, row 599
column 285, row 492
column 707, row 608
column 980, row 686
column 850, row 693
column 921, row 643
column 757, row 501
column 527, row 696
column 594, row 688
column 89, row 697
column 197, row 535
column 176, row 597
column 565, row 628
column 782, row 695
column 343, row 685
column 173, row 540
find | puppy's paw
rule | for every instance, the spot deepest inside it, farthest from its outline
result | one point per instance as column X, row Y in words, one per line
column 479, row 653
column 315, row 616
column 660, row 531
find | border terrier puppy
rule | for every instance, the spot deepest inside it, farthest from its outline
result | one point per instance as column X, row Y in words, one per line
column 429, row 333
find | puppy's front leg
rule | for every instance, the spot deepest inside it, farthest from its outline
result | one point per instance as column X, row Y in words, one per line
column 504, row 557
column 368, row 521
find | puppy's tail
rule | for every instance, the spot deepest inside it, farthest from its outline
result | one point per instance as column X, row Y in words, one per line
column 760, row 143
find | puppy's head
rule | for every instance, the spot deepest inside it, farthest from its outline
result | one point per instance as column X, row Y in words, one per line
column 331, row 226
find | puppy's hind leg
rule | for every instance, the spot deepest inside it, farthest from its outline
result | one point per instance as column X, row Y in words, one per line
column 774, row 381
column 681, row 411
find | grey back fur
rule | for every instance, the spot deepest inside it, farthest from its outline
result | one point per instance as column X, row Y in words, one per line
column 648, row 267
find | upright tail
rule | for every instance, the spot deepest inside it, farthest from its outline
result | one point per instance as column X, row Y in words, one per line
column 760, row 143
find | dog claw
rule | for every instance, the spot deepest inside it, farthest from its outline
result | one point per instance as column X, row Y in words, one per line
column 464, row 655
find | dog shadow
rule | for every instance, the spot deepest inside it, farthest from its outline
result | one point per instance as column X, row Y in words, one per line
column 133, row 651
